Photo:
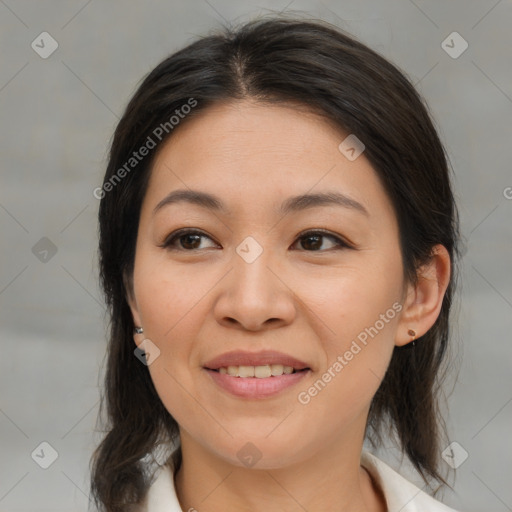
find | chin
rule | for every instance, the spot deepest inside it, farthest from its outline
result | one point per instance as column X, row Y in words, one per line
column 261, row 452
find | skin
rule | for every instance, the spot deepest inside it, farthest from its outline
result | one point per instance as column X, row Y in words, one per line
column 197, row 303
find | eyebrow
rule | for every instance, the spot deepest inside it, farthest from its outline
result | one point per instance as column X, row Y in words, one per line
column 292, row 204
column 203, row 199
column 297, row 203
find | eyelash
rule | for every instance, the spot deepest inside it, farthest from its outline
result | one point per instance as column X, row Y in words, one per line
column 174, row 237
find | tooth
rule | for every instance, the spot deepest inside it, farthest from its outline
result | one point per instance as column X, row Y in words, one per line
column 276, row 369
column 262, row 372
column 233, row 371
column 246, row 371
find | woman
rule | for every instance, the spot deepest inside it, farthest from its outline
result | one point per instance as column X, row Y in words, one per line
column 278, row 237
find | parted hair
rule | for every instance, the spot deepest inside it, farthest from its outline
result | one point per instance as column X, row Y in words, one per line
column 315, row 65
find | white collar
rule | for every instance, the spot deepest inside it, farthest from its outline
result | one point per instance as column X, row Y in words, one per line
column 400, row 494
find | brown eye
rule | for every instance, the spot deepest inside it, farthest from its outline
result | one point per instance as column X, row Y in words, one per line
column 186, row 240
column 312, row 242
column 315, row 241
column 190, row 241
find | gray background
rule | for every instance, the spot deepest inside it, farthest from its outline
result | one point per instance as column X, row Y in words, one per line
column 57, row 117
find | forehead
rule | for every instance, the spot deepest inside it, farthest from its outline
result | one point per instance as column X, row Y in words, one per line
column 256, row 155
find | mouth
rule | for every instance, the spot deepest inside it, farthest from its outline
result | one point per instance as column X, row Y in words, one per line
column 259, row 375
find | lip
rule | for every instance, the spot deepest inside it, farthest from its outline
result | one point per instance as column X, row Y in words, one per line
column 253, row 387
column 243, row 358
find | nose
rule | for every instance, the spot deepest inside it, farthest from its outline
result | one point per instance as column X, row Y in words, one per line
column 254, row 297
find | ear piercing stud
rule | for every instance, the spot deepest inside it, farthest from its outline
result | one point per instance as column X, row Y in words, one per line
column 138, row 330
column 412, row 343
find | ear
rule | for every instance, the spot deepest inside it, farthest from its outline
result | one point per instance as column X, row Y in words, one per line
column 424, row 299
column 132, row 303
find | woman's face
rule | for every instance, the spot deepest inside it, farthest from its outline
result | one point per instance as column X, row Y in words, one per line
column 257, row 281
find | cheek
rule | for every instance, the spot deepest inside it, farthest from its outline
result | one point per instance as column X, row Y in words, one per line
column 357, row 345
column 169, row 293
column 356, row 316
column 175, row 371
column 350, row 300
column 173, row 303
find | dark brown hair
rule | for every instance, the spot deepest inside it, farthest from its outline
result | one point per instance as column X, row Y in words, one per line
column 312, row 64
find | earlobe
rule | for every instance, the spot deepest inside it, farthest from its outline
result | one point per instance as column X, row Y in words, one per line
column 138, row 330
column 138, row 336
column 138, row 333
column 425, row 297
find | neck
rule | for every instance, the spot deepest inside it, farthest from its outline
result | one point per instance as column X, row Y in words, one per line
column 328, row 480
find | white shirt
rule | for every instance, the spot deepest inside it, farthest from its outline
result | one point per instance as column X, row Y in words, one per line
column 401, row 495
